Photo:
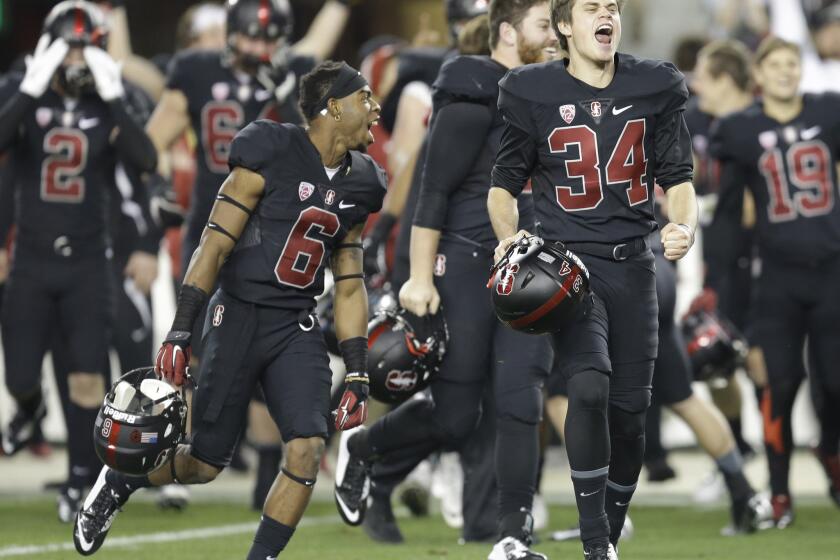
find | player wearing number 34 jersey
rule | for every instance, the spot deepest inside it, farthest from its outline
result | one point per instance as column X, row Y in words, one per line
column 295, row 198
column 593, row 133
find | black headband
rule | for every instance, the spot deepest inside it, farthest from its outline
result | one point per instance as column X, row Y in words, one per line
column 349, row 80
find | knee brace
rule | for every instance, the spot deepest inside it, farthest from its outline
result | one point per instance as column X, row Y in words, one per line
column 522, row 405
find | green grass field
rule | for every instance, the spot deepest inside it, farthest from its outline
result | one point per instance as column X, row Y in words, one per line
column 222, row 531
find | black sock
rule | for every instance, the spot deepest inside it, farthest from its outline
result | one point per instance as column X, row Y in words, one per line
column 778, row 437
column 126, row 485
column 271, row 538
column 517, row 457
column 84, row 463
column 731, row 467
column 519, row 525
column 617, row 500
column 590, row 495
column 268, row 466
column 29, row 404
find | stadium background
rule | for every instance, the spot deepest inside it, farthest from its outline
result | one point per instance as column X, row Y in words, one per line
column 651, row 28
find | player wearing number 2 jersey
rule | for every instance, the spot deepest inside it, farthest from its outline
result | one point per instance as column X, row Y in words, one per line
column 594, row 132
column 294, row 199
column 785, row 149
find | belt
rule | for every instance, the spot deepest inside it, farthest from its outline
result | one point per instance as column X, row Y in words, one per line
column 63, row 246
column 620, row 252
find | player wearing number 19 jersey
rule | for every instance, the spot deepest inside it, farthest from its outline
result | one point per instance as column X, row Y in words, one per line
column 593, row 132
column 785, row 149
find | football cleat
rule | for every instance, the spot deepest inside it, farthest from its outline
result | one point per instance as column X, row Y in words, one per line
column 379, row 522
column 69, row 501
column 96, row 515
column 510, row 548
column 749, row 515
column 782, row 511
column 600, row 551
column 448, row 487
column 22, row 429
column 352, row 482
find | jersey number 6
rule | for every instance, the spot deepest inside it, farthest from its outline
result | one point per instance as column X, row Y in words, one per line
column 627, row 165
column 302, row 255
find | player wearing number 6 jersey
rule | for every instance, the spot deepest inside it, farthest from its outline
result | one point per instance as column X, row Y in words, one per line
column 785, row 149
column 594, row 132
column 294, row 199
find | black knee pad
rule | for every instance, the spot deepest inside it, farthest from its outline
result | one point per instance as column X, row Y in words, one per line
column 627, row 425
column 523, row 405
column 456, row 425
column 588, row 389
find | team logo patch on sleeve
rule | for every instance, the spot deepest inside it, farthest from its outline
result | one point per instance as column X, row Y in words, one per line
column 305, row 190
column 568, row 113
column 218, row 314
column 440, row 265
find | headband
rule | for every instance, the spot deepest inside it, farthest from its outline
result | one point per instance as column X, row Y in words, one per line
column 349, row 80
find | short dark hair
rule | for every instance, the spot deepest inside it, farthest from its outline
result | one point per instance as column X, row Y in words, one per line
column 729, row 57
column 510, row 11
column 561, row 11
column 772, row 44
column 315, row 85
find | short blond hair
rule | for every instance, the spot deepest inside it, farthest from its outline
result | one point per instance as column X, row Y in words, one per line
column 772, row 44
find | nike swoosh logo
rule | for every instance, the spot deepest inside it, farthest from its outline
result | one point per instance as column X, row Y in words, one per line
column 617, row 111
column 584, row 494
column 344, row 206
column 619, row 504
column 90, row 123
column 811, row 133
column 85, row 545
column 350, row 515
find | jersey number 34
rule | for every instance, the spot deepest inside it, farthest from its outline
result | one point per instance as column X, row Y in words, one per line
column 627, row 165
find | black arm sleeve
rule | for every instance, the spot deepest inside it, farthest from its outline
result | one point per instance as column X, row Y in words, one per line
column 720, row 239
column 518, row 148
column 7, row 200
column 460, row 130
column 11, row 115
column 672, row 147
column 133, row 144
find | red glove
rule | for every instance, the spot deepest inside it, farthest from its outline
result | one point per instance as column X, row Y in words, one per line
column 173, row 358
column 352, row 411
column 707, row 301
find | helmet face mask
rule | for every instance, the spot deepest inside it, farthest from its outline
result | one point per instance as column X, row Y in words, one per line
column 252, row 21
column 81, row 24
column 141, row 421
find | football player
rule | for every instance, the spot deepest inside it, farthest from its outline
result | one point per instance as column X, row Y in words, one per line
column 784, row 149
column 451, row 252
column 294, row 198
column 594, row 132
column 65, row 123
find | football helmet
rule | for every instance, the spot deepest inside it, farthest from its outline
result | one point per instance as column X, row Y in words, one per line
column 270, row 20
column 459, row 12
column 539, row 287
column 404, row 353
column 81, row 24
column 379, row 298
column 140, row 423
column 715, row 347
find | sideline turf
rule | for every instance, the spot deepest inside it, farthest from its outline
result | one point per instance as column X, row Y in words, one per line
column 661, row 533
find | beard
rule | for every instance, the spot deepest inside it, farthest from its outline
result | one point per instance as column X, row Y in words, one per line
column 530, row 53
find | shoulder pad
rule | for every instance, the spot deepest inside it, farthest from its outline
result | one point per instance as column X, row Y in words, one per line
column 372, row 181
column 537, row 82
column 474, row 77
column 257, row 146
column 645, row 76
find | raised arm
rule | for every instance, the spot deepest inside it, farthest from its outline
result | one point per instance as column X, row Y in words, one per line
column 323, row 35
column 168, row 121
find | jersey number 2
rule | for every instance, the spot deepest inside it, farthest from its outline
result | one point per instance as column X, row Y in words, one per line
column 627, row 165
column 61, row 179
column 808, row 164
column 302, row 255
